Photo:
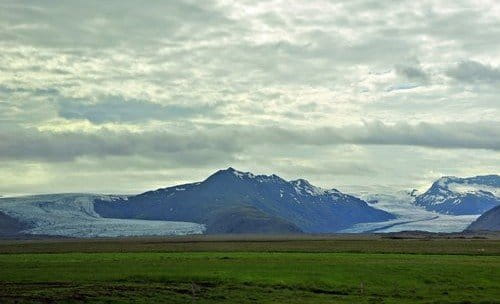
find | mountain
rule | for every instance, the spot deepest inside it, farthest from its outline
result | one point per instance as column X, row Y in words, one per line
column 461, row 196
column 230, row 201
column 10, row 226
column 490, row 220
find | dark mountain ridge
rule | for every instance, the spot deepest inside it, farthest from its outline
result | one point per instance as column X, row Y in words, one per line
column 233, row 201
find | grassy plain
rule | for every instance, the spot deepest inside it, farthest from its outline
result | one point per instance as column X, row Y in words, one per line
column 279, row 270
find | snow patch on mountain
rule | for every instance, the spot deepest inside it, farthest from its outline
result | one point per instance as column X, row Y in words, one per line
column 243, row 174
column 473, row 188
column 300, row 186
column 303, row 187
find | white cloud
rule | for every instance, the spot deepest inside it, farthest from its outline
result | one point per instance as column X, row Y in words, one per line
column 223, row 80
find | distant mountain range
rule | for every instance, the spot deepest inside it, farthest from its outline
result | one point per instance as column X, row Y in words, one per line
column 461, row 196
column 231, row 201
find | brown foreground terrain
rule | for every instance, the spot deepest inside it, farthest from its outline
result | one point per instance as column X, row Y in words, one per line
column 487, row 243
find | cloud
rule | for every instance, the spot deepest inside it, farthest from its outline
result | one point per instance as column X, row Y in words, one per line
column 412, row 73
column 124, row 24
column 450, row 135
column 402, row 86
column 226, row 142
column 300, row 87
column 31, row 144
column 475, row 72
column 116, row 109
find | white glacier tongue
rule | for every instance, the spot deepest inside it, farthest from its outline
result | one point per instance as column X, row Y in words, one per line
column 73, row 215
column 410, row 216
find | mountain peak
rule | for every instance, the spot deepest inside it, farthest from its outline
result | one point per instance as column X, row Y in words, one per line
column 445, row 181
column 240, row 174
column 231, row 172
column 249, row 175
column 304, row 187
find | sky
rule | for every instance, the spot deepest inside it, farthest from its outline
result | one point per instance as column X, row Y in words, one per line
column 126, row 96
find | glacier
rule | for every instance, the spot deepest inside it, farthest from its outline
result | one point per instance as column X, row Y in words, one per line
column 409, row 216
column 73, row 215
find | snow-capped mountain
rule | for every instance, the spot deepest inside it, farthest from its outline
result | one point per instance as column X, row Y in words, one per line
column 231, row 201
column 460, row 196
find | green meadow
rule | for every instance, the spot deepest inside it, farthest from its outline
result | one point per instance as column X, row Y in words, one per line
column 248, row 277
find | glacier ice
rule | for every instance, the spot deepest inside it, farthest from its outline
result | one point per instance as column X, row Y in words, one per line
column 410, row 216
column 73, row 215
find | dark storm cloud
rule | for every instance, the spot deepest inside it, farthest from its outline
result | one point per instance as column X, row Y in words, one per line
column 30, row 143
column 227, row 141
column 448, row 135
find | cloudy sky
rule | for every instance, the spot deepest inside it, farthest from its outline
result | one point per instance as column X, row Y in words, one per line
column 125, row 96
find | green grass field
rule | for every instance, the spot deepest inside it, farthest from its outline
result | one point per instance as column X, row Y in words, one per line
column 234, row 276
